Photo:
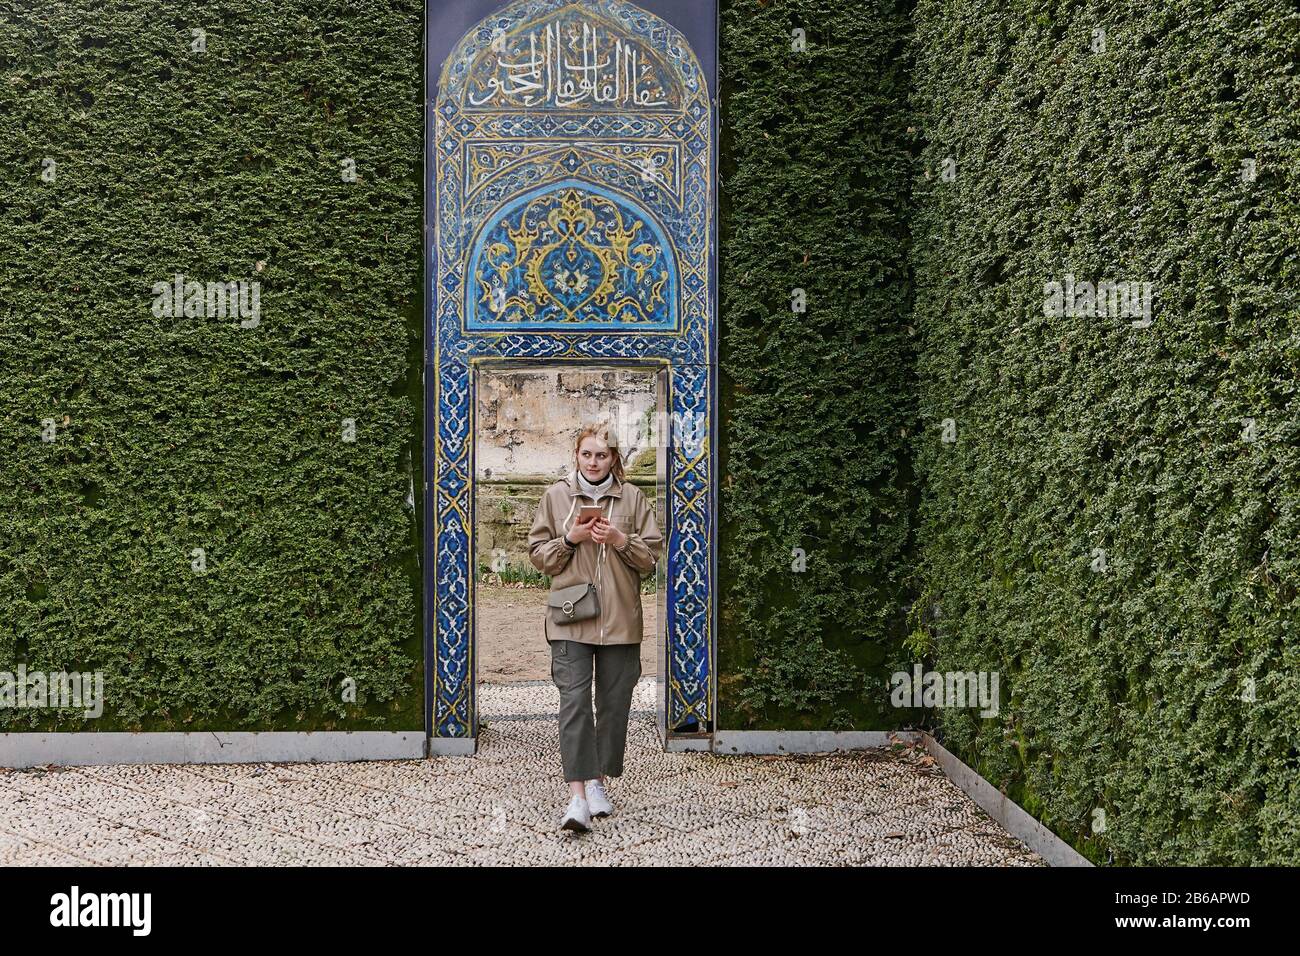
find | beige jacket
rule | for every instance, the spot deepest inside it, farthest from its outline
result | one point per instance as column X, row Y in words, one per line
column 616, row 573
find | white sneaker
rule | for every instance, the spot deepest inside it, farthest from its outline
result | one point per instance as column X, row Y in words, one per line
column 597, row 800
column 577, row 816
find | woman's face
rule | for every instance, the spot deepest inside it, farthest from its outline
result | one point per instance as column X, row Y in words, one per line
column 594, row 458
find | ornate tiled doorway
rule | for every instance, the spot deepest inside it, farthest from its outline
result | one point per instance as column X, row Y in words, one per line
column 570, row 198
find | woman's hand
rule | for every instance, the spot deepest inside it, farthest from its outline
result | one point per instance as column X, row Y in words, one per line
column 603, row 532
column 580, row 532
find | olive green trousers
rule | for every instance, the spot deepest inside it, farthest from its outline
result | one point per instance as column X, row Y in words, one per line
column 593, row 745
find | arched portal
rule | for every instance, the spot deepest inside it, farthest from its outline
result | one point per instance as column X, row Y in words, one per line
column 570, row 203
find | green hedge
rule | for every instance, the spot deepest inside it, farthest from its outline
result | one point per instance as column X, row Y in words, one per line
column 175, row 434
column 817, row 407
column 1121, row 687
column 1073, row 434
column 187, row 433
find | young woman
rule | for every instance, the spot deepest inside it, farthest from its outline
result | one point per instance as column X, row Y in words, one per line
column 612, row 552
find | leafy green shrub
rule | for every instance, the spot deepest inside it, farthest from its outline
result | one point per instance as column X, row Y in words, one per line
column 816, row 406
column 177, row 434
column 1115, row 528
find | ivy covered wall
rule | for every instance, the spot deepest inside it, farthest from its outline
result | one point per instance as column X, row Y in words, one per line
column 818, row 401
column 199, row 525
column 1114, row 520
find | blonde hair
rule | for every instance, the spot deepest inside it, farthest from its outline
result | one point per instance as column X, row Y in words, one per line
column 605, row 432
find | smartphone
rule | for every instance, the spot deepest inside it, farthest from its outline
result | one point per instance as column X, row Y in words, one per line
column 589, row 513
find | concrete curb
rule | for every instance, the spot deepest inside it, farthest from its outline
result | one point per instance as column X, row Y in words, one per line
column 804, row 741
column 453, row 746
column 88, row 749
column 1006, row 811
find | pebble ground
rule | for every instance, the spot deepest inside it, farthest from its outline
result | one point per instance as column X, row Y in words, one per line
column 887, row 807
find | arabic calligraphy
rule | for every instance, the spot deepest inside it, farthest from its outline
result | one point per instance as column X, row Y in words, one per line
column 571, row 64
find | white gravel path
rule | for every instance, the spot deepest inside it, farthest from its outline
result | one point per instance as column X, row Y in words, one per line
column 878, row 807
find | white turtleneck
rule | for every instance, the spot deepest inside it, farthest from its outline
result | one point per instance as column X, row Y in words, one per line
column 599, row 490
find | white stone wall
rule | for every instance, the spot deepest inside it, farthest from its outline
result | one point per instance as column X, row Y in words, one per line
column 528, row 420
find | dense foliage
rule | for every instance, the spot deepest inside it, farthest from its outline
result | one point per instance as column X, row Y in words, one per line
column 816, row 362
column 199, row 527
column 1116, row 527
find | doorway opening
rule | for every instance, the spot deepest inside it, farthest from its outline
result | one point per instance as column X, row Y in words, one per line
column 526, row 420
